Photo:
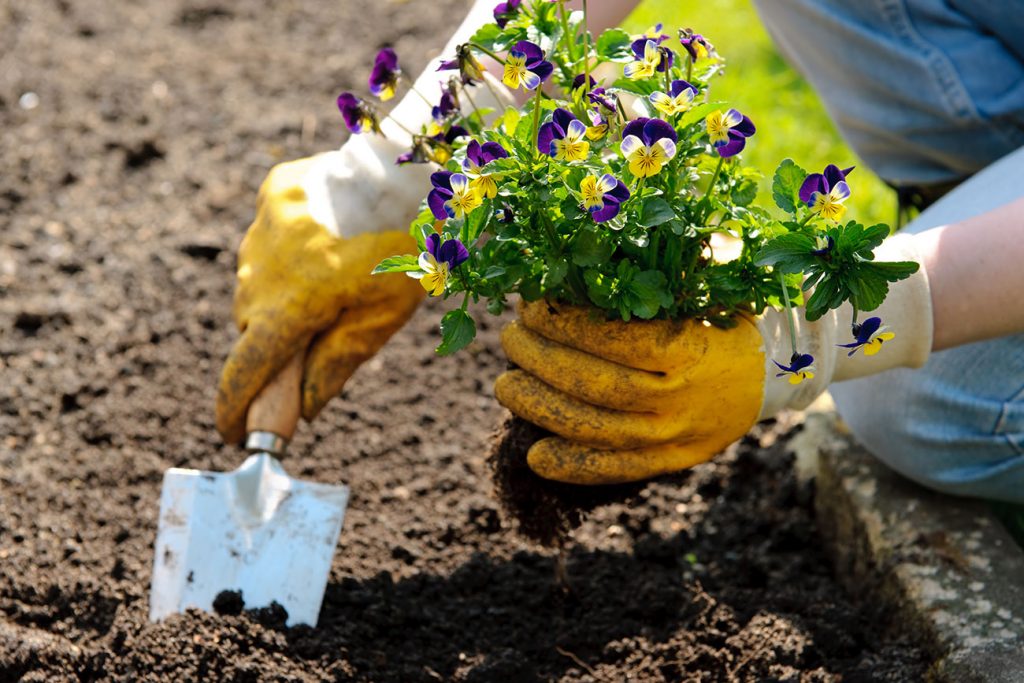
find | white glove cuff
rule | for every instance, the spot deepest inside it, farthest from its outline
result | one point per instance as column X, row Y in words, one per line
column 907, row 311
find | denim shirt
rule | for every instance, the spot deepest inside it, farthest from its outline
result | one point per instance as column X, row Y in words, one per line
column 925, row 91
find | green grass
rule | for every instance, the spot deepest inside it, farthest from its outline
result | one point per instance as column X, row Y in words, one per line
column 790, row 119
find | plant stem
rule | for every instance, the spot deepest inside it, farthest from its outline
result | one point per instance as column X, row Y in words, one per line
column 536, row 121
column 789, row 312
column 569, row 39
column 422, row 96
column 399, row 124
column 706, row 200
column 689, row 68
column 488, row 53
column 586, row 51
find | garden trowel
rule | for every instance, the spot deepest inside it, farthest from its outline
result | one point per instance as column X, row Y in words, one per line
column 255, row 530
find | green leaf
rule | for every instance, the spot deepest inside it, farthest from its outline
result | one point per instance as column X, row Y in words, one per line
column 786, row 185
column 614, row 46
column 654, row 211
column 592, row 247
column 790, row 253
column 557, row 269
column 854, row 238
column 698, row 113
column 406, row 263
column 487, row 35
column 867, row 286
column 457, row 330
column 493, row 272
column 745, row 192
column 828, row 291
column 649, row 294
column 894, row 271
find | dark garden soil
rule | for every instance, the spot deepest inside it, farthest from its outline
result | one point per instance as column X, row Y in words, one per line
column 126, row 183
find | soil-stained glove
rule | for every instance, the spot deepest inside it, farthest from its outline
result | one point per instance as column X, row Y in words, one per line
column 301, row 285
column 629, row 401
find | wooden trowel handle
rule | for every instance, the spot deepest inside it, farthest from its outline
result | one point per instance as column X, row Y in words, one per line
column 276, row 408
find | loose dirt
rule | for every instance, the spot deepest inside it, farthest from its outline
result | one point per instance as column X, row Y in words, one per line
column 133, row 137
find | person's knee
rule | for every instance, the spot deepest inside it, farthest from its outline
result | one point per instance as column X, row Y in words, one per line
column 931, row 440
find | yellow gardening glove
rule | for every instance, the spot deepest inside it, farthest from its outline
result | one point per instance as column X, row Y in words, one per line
column 630, row 401
column 300, row 286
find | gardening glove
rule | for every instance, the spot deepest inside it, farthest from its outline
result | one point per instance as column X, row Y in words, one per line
column 322, row 225
column 629, row 401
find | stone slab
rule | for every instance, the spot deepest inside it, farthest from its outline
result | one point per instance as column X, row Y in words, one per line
column 945, row 565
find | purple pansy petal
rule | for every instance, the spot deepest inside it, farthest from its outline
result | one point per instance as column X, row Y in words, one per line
column 804, row 360
column 598, row 96
column 868, row 329
column 578, row 81
column 733, row 147
column 679, row 86
column 542, row 69
column 492, row 151
column 607, row 212
column 448, row 65
column 454, row 133
column 829, row 246
column 656, row 129
column 639, row 45
column 832, row 176
column 387, row 58
column 812, row 184
column 442, row 180
column 436, row 201
column 847, row 171
column 546, row 136
column 454, row 252
column 474, row 153
column 531, row 51
column 619, row 193
column 433, row 244
column 562, row 118
column 635, row 128
column 745, row 127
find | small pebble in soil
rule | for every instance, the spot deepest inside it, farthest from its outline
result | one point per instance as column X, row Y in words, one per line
column 228, row 603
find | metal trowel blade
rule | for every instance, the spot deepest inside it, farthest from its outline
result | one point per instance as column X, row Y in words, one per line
column 254, row 530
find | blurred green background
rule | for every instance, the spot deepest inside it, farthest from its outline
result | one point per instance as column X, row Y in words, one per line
column 790, row 119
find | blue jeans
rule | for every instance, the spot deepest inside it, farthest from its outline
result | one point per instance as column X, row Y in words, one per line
column 925, row 91
column 928, row 91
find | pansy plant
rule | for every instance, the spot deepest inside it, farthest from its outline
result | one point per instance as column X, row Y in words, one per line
column 567, row 197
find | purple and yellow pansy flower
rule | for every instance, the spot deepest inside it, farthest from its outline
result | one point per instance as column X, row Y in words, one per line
column 506, row 11
column 602, row 196
column 729, row 131
column 525, row 66
column 438, row 262
column 650, row 58
column 469, row 67
column 384, row 76
column 598, row 127
column 358, row 117
column 452, row 196
column 799, row 369
column 478, row 156
column 869, row 335
column 563, row 137
column 677, row 100
column 648, row 144
column 826, row 193
column 601, row 97
column 695, row 44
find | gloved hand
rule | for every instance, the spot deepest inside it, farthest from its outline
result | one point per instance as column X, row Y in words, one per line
column 629, row 401
column 300, row 286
